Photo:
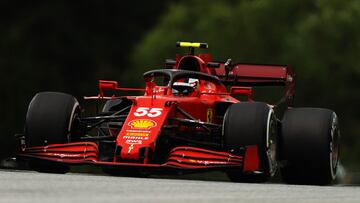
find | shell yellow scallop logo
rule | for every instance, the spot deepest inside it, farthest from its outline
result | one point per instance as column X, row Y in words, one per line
column 142, row 124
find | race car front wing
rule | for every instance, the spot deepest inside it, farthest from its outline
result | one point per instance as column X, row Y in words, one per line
column 182, row 157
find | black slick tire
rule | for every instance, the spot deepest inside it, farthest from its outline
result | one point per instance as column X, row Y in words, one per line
column 309, row 146
column 49, row 120
column 249, row 124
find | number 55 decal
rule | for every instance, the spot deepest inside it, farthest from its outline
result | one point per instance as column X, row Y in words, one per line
column 151, row 112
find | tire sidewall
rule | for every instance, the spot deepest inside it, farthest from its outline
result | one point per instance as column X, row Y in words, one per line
column 267, row 145
column 309, row 146
column 49, row 119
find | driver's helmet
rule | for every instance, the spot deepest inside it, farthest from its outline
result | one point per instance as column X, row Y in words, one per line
column 190, row 82
column 186, row 86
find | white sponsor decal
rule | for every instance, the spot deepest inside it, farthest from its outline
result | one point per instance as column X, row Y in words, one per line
column 150, row 112
column 135, row 138
column 133, row 142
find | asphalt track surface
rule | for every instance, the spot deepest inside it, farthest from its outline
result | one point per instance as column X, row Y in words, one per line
column 27, row 186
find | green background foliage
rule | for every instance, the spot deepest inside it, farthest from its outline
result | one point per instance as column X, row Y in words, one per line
column 319, row 39
column 68, row 45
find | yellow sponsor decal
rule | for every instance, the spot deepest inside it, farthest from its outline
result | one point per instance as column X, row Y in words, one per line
column 131, row 147
column 209, row 115
column 131, row 134
column 142, row 124
column 192, row 44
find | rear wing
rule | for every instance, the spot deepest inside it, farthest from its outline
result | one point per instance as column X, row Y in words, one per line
column 236, row 75
column 250, row 75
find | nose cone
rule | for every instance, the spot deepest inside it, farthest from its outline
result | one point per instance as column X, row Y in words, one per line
column 142, row 127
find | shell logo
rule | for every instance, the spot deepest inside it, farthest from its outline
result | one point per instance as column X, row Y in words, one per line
column 142, row 124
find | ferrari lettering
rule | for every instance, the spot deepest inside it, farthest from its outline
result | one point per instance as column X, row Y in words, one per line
column 150, row 112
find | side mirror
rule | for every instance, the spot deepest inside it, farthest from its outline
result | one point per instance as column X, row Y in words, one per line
column 107, row 85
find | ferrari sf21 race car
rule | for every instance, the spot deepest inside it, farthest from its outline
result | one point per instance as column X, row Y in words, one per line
column 194, row 115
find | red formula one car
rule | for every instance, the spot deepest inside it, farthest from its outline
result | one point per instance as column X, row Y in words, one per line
column 187, row 120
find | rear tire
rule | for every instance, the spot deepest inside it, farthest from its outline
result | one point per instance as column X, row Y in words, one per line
column 309, row 146
column 248, row 124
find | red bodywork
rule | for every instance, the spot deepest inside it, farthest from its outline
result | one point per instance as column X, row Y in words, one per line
column 151, row 113
column 179, row 157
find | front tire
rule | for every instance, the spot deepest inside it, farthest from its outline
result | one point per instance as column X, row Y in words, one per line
column 49, row 120
column 249, row 124
column 309, row 147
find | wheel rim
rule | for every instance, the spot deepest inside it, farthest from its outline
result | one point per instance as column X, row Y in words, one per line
column 271, row 142
column 75, row 113
column 334, row 146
